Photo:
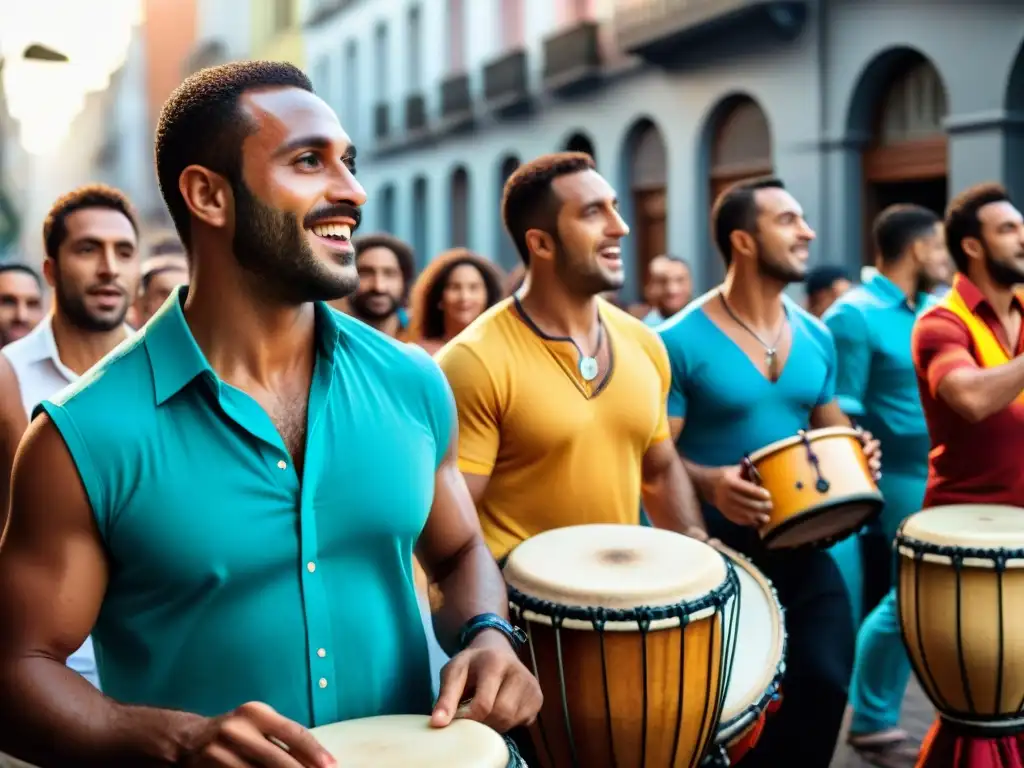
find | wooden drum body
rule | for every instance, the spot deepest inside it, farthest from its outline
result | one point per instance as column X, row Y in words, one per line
column 821, row 486
column 409, row 741
column 961, row 588
column 757, row 669
column 627, row 636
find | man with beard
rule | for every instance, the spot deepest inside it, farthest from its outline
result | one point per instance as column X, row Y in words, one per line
column 969, row 356
column 219, row 497
column 386, row 270
column 91, row 238
column 750, row 367
column 21, row 301
column 876, row 385
column 543, row 403
column 669, row 288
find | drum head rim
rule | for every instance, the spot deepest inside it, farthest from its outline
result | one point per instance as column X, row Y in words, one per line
column 714, row 600
column 920, row 549
column 914, row 540
column 875, row 498
column 728, row 729
column 812, row 435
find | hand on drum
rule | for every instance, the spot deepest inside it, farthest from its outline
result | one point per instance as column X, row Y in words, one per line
column 739, row 500
column 504, row 693
column 873, row 453
column 255, row 735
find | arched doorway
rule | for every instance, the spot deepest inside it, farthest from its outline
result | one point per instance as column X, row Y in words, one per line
column 420, row 241
column 648, row 184
column 580, row 142
column 741, row 144
column 905, row 160
column 504, row 248
column 1014, row 162
column 458, row 232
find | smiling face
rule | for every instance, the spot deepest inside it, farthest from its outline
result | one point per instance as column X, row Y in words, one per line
column 95, row 275
column 589, row 233
column 297, row 202
column 464, row 296
column 783, row 236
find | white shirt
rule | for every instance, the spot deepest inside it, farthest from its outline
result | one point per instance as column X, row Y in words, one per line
column 41, row 375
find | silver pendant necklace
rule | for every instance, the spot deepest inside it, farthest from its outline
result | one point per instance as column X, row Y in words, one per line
column 587, row 365
column 771, row 351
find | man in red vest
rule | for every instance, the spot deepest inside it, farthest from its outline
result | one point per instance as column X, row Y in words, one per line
column 970, row 370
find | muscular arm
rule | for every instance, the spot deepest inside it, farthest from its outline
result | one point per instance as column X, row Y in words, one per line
column 668, row 495
column 829, row 415
column 943, row 359
column 12, row 426
column 53, row 574
column 702, row 478
column 452, row 552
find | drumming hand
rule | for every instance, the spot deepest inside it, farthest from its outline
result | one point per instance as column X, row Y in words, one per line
column 873, row 453
column 739, row 500
column 504, row 693
column 247, row 736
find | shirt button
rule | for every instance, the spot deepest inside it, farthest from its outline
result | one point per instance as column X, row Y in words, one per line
column 310, row 566
column 321, row 652
column 282, row 464
column 323, row 682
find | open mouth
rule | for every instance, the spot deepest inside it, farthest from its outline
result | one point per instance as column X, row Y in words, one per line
column 336, row 236
column 611, row 256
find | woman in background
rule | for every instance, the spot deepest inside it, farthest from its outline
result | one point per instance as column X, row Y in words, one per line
column 451, row 292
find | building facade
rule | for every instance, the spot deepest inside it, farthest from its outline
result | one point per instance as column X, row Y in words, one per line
column 854, row 103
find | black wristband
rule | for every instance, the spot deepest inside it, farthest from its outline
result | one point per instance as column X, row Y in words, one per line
column 484, row 621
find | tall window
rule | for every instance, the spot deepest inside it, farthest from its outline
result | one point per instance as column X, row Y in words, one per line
column 415, row 50
column 456, row 36
column 382, row 61
column 350, row 89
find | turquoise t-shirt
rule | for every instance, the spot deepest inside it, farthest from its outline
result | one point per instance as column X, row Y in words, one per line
column 231, row 580
column 729, row 408
column 876, row 382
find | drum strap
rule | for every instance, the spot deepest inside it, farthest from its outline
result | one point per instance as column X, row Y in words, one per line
column 990, row 350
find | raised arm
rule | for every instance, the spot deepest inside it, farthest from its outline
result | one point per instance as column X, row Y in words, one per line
column 942, row 356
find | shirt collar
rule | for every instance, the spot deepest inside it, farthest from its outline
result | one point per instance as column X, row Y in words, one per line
column 176, row 360
column 885, row 289
column 43, row 347
column 974, row 298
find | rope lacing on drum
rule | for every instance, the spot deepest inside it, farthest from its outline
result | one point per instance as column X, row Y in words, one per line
column 821, row 485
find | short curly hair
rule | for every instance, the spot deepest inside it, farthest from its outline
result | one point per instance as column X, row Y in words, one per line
column 402, row 250
column 962, row 218
column 200, row 124
column 426, row 321
column 55, row 225
column 529, row 202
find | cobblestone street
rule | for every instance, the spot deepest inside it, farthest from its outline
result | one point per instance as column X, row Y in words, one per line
column 917, row 718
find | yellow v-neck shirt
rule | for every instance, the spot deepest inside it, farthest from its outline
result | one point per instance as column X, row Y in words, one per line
column 559, row 451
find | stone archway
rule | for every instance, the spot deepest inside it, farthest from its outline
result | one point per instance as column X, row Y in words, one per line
column 901, row 110
column 647, row 161
column 505, row 250
column 741, row 144
column 581, row 142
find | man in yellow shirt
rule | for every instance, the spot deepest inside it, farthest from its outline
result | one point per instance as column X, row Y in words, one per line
column 562, row 396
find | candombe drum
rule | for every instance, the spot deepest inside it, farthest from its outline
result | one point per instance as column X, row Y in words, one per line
column 628, row 639
column 758, row 667
column 409, row 741
column 821, row 486
column 960, row 589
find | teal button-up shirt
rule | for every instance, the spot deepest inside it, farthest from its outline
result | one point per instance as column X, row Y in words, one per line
column 875, row 380
column 231, row 578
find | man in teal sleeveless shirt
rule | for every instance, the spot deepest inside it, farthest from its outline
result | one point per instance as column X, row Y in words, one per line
column 230, row 501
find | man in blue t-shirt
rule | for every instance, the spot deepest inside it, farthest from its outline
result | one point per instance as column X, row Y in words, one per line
column 750, row 367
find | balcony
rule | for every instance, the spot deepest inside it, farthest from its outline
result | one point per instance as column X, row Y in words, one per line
column 456, row 103
column 382, row 122
column 572, row 58
column 415, row 114
column 506, row 84
column 665, row 31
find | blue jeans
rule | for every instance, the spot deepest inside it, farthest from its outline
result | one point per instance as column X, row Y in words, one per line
column 881, row 669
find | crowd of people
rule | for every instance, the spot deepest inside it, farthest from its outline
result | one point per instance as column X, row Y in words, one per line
column 236, row 466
